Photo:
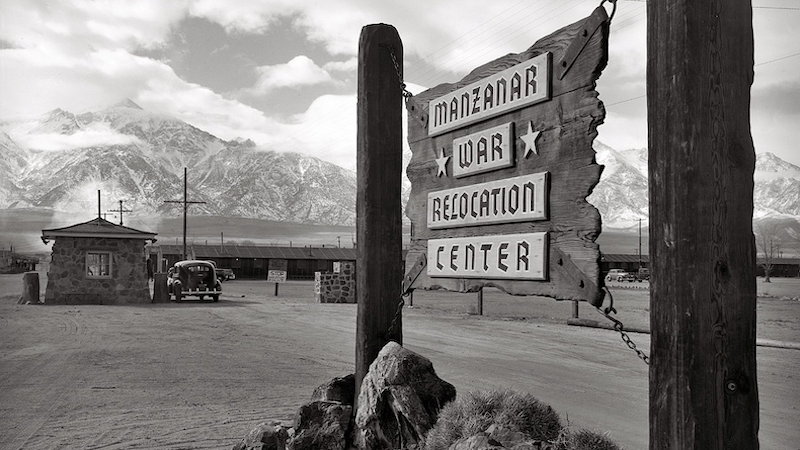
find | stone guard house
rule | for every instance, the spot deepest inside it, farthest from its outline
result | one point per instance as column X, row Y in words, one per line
column 97, row 262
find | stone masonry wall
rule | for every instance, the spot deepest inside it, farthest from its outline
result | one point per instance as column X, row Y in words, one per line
column 336, row 287
column 67, row 282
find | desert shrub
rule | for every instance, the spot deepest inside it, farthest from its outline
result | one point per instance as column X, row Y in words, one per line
column 583, row 440
column 476, row 411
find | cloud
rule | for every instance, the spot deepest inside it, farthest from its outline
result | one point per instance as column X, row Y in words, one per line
column 96, row 134
column 299, row 72
column 350, row 65
column 326, row 130
column 67, row 27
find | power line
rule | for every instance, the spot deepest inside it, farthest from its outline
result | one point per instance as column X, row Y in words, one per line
column 786, row 8
column 626, row 101
column 755, row 65
column 778, row 59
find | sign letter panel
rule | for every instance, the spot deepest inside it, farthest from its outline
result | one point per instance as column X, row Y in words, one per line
column 512, row 256
column 524, row 84
column 484, row 151
column 501, row 201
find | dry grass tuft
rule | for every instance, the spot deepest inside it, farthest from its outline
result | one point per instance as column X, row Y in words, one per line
column 477, row 411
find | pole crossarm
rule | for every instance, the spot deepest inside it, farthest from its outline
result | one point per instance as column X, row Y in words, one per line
column 186, row 202
column 121, row 210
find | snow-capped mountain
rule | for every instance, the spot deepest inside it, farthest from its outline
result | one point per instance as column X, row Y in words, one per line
column 62, row 159
column 621, row 194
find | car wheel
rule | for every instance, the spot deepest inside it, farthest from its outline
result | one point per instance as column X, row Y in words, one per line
column 215, row 297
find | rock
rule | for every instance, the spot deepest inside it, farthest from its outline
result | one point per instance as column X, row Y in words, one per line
column 321, row 425
column 265, row 436
column 400, row 399
column 339, row 389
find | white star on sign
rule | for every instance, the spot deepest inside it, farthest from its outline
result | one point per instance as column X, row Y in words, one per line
column 530, row 140
column 442, row 162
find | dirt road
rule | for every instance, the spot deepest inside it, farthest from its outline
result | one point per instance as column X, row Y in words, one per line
column 201, row 375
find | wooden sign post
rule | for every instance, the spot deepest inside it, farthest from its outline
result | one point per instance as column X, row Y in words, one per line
column 703, row 390
column 502, row 163
column 378, row 202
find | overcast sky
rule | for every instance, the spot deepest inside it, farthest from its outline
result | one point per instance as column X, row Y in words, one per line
column 283, row 72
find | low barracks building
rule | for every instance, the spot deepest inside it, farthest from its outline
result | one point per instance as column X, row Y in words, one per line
column 252, row 261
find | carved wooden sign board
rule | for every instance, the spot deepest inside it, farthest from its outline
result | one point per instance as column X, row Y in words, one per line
column 502, row 163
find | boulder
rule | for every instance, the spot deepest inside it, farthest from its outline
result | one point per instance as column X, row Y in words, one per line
column 265, row 436
column 339, row 389
column 400, row 399
column 321, row 425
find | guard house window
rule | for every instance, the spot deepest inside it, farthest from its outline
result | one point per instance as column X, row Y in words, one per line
column 98, row 265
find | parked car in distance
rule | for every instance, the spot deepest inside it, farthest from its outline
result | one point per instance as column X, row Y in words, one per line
column 193, row 278
column 643, row 274
column 225, row 274
column 629, row 277
column 616, row 275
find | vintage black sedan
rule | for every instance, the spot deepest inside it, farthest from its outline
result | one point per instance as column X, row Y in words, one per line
column 193, row 278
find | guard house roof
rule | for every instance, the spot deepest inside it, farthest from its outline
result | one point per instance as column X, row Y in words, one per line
column 98, row 227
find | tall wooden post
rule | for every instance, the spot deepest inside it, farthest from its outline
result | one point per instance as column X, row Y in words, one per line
column 378, row 206
column 703, row 389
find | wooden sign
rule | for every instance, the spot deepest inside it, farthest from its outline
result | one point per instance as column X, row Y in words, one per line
column 484, row 151
column 507, row 200
column 511, row 256
column 502, row 163
column 276, row 270
column 523, row 84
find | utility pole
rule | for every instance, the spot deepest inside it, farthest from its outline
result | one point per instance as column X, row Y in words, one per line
column 186, row 204
column 703, row 386
column 640, row 243
column 120, row 211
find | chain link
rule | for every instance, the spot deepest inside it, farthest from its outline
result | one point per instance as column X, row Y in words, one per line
column 613, row 9
column 397, row 312
column 406, row 93
column 620, row 328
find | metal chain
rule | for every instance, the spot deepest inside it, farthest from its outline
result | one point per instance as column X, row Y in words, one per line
column 620, row 328
column 390, row 331
column 406, row 92
column 613, row 9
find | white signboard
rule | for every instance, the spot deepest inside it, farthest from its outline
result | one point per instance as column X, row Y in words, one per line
column 501, row 201
column 483, row 151
column 524, row 84
column 512, row 256
column 276, row 272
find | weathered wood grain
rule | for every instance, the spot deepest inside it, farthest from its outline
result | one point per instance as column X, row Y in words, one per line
column 568, row 124
column 378, row 202
column 703, row 389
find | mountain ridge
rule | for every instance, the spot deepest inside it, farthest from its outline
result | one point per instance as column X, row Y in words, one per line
column 61, row 159
column 146, row 166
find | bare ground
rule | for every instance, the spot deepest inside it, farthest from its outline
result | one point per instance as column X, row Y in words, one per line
column 201, row 375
